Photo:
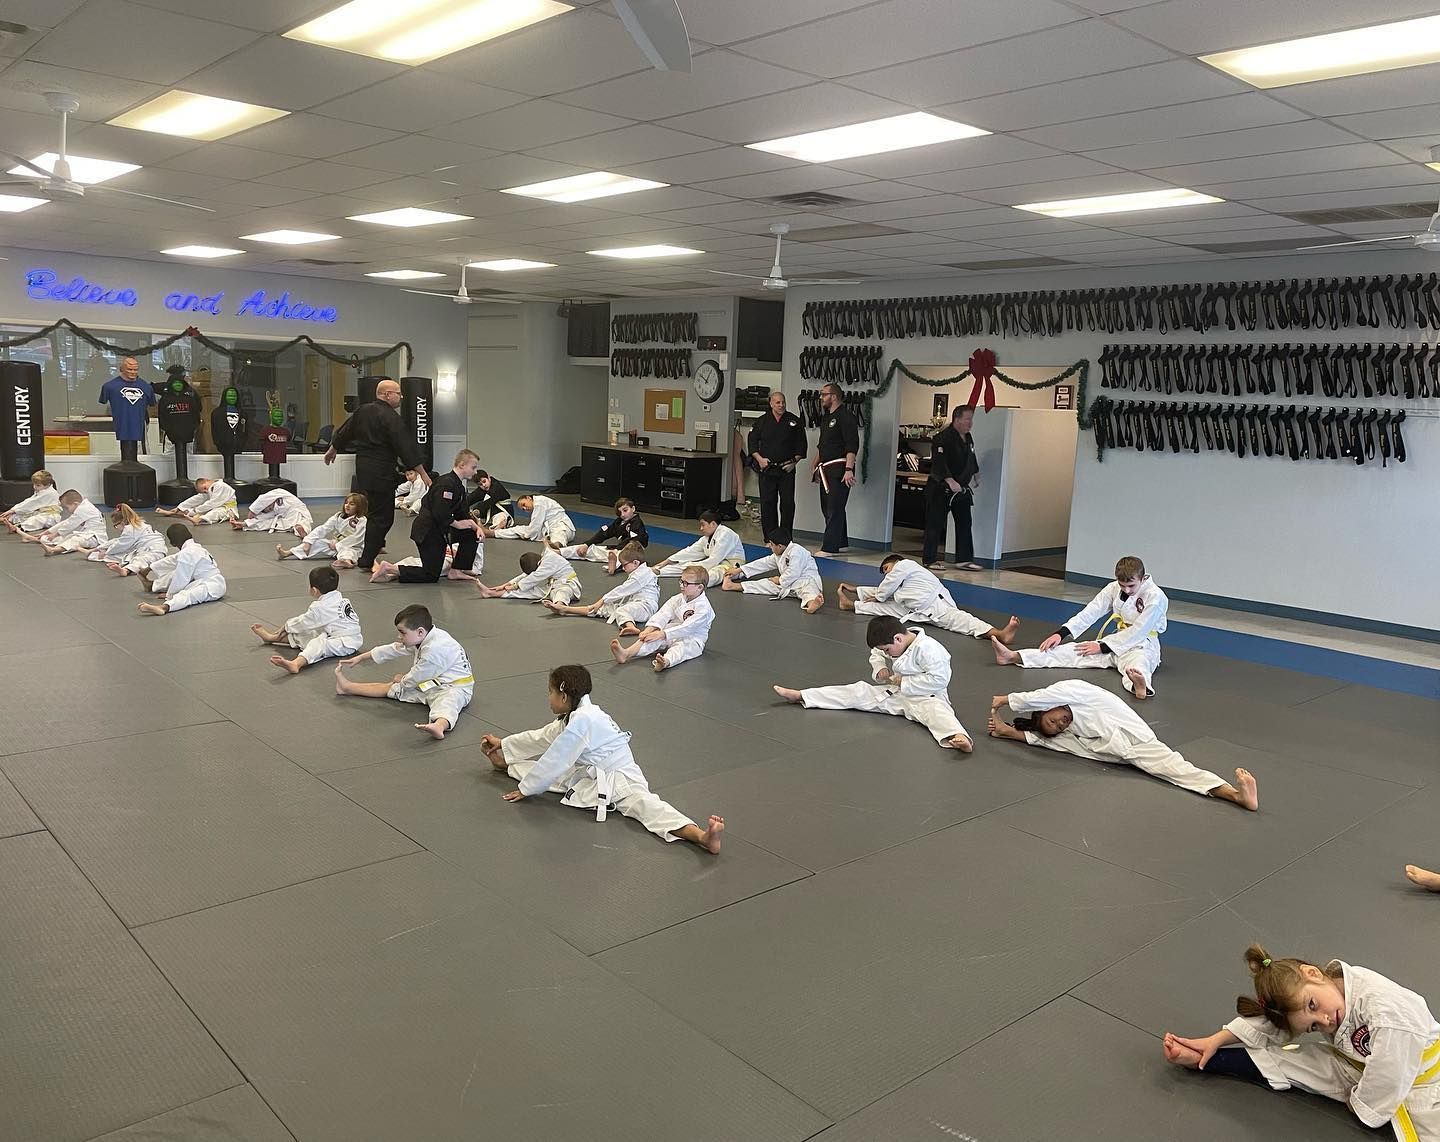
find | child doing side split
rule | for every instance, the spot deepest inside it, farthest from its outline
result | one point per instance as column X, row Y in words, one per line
column 276, row 510
column 137, row 545
column 546, row 576
column 1381, row 1050
column 82, row 528
column 678, row 631
column 912, row 594
column 409, row 494
column 192, row 578
column 39, row 510
column 797, row 578
column 632, row 603
column 1137, row 608
column 439, row 676
column 329, row 627
column 604, row 546
column 584, row 755
column 341, row 537
column 213, row 502
column 549, row 523
column 912, row 680
column 718, row 550
column 1082, row 719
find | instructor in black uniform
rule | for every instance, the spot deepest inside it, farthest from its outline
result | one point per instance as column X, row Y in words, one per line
column 441, row 520
column 382, row 447
column 950, row 491
column 834, row 467
column 777, row 444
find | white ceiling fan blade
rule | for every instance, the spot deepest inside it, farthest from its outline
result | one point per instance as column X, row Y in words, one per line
column 824, row 281
column 1360, row 242
column 29, row 183
column 733, row 274
column 26, row 163
column 477, row 299
column 151, row 197
column 658, row 29
column 431, row 293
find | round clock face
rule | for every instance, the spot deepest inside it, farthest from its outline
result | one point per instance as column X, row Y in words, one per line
column 709, row 381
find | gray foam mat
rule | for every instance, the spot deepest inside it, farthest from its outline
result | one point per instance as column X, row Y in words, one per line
column 31, row 620
column 15, row 815
column 403, row 1001
column 1402, row 713
column 93, row 1037
column 224, row 817
column 235, row 1115
column 1234, row 676
column 868, row 980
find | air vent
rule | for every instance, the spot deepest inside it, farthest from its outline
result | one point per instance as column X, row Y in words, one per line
column 1390, row 213
column 812, row 198
column 842, row 233
column 1274, row 245
column 321, row 262
column 1011, row 264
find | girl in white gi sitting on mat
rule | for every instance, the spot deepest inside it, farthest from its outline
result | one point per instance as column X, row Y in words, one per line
column 39, row 510
column 632, row 602
column 341, row 537
column 276, row 510
column 586, row 757
column 912, row 594
column 329, row 627
column 796, row 576
column 545, row 576
column 186, row 579
column 136, row 545
column 1136, row 607
column 678, row 631
column 912, row 680
column 1379, row 1048
column 1082, row 719
column 213, row 502
column 718, row 550
column 439, row 676
column 81, row 528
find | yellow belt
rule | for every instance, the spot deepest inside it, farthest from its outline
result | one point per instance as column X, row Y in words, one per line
column 466, row 680
column 1120, row 624
column 1431, row 1055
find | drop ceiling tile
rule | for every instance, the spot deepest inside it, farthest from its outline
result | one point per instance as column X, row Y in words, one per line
column 929, row 204
column 610, row 150
column 413, row 190
column 415, row 154
column 40, row 13
column 24, row 83
column 143, row 148
column 1396, row 123
column 1226, row 144
column 1416, row 148
column 1208, row 116
column 529, row 125
column 940, row 223
column 894, row 31
column 169, row 184
column 259, row 194
column 326, row 176
column 660, row 201
column 962, row 154
column 1065, row 188
column 785, row 113
column 418, row 100
column 880, row 190
column 1022, row 227
column 1217, row 25
column 310, row 136
column 1015, row 174
column 717, row 77
column 289, row 74
column 1340, row 200
column 1317, row 161
column 723, row 162
column 1356, row 94
column 231, row 162
column 258, row 15
column 772, row 183
column 745, row 19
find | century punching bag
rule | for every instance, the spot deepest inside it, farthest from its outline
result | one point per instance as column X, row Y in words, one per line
column 365, row 389
column 22, row 429
column 417, row 410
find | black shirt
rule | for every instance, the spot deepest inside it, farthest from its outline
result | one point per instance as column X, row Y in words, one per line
column 953, row 455
column 227, row 426
column 483, row 505
column 377, row 436
column 619, row 532
column 839, row 434
column 179, row 413
column 778, row 440
column 443, row 504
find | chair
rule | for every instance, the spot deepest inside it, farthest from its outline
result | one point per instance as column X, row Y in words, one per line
column 321, row 443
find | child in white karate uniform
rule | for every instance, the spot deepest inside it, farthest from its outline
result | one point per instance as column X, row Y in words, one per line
column 549, row 523
column 911, row 673
column 276, row 510
column 546, row 576
column 678, row 631
column 912, row 594
column 341, row 537
column 631, row 603
column 409, row 494
column 718, row 550
column 82, row 528
column 1379, row 1052
column 213, row 502
column 796, row 576
column 1135, row 605
column 1082, row 719
column 137, row 545
column 39, row 510
column 329, row 627
column 586, row 757
column 192, row 579
column 439, row 676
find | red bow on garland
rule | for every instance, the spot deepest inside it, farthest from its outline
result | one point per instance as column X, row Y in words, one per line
column 982, row 368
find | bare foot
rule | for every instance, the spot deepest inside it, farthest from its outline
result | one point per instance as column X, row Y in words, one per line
column 1003, row 654
column 1006, row 634
column 342, row 564
column 294, row 665
column 260, row 631
column 728, row 584
column 384, row 572
column 121, row 571
column 787, row 693
column 453, row 574
column 617, row 652
column 659, row 663
column 280, row 552
column 342, row 684
column 237, row 525
column 1249, row 791
column 842, row 597
column 435, row 729
column 814, row 604
column 1423, row 877
column 1138, row 681
column 960, row 742
column 711, row 838
column 550, row 604
column 152, row 608
column 1182, row 1056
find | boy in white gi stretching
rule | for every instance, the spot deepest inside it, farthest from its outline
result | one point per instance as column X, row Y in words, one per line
column 549, row 523
column 82, row 528
column 632, row 603
column 186, row 579
column 912, row 594
column 213, row 502
column 796, row 576
column 678, row 631
column 718, row 550
column 39, row 510
column 439, row 676
column 276, row 510
column 329, row 627
column 546, row 576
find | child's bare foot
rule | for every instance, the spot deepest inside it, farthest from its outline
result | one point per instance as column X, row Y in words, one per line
column 1003, row 654
column 550, row 604
column 342, row 564
column 814, row 604
column 435, row 729
column 629, row 629
column 729, row 584
column 343, row 685
column 787, row 693
column 1138, row 681
column 384, row 572
column 1423, row 877
column 260, row 631
column 660, row 663
column 1177, row 1053
column 711, row 838
column 119, row 570
column 1249, row 791
column 280, row 552
column 960, row 742
column 237, row 525
column 152, row 608
column 294, row 665
column 843, row 591
column 1006, row 634
column 617, row 652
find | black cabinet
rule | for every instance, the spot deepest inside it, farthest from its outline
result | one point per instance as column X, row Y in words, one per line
column 909, row 504
column 660, row 481
column 601, row 474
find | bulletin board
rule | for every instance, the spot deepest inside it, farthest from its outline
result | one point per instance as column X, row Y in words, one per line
column 670, row 402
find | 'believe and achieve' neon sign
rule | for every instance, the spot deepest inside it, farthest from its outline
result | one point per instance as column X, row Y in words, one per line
column 45, row 285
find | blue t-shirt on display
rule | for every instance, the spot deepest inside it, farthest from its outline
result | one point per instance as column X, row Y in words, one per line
column 127, row 401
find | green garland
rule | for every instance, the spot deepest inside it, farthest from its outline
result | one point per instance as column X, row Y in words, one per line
column 1080, row 368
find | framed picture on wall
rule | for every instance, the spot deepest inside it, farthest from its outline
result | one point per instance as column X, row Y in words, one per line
column 1064, row 396
column 940, row 406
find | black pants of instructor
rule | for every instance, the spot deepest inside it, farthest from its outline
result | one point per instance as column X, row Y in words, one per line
column 832, row 505
column 379, row 489
column 432, row 554
column 777, row 499
column 941, row 506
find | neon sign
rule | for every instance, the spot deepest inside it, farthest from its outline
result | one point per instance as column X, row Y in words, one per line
column 45, row 285
column 257, row 306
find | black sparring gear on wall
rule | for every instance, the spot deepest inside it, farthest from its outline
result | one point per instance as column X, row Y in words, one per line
column 667, row 364
column 850, row 365
column 638, row 328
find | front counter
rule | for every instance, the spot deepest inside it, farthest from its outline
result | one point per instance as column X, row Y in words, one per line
column 662, row 481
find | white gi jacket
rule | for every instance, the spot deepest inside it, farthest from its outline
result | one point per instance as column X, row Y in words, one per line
column 438, row 660
column 590, row 739
column 923, row 671
column 723, row 546
column 409, row 494
column 640, row 589
column 346, row 534
column 795, row 566
column 84, row 523
column 331, row 615
column 543, row 512
column 221, row 495
column 1098, row 718
column 1138, row 617
column 133, row 540
column 914, row 588
column 680, row 619
column 45, row 500
column 193, row 564
column 554, row 569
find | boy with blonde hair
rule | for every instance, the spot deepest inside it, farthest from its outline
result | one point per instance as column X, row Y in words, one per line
column 213, row 502
column 39, row 510
column 632, row 603
column 678, row 631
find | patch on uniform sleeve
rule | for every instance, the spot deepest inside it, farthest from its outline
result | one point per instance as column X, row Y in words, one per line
column 1360, row 1040
column 447, row 495
column 1139, row 605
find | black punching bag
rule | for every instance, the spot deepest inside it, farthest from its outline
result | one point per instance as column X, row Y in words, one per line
column 417, row 410
column 22, row 421
column 365, row 389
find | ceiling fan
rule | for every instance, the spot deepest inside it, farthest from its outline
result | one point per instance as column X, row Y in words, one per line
column 463, row 296
column 58, row 182
column 1427, row 239
column 658, row 29
column 777, row 279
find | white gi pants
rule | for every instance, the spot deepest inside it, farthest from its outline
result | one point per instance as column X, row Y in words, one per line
column 630, row 797
column 805, row 590
column 636, row 611
column 200, row 591
column 444, row 701
column 931, row 711
column 681, row 650
column 595, row 553
column 1155, row 758
column 79, row 543
column 322, row 645
column 1144, row 657
column 40, row 521
column 219, row 515
column 950, row 618
column 565, row 592
column 716, row 573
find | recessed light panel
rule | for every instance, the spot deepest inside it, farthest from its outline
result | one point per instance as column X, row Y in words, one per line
column 897, row 133
column 404, row 275
column 409, row 216
column 580, row 187
column 201, row 252
column 416, row 31
column 289, row 237
column 82, row 170
column 1120, row 203
column 1360, row 51
column 645, row 252
column 196, row 116
column 15, row 203
column 503, row 265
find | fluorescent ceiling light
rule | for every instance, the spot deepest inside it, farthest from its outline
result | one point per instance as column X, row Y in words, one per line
column 82, row 170
column 196, row 116
column 289, row 237
column 1433, row 166
column 1120, row 203
column 504, row 264
column 1381, row 48
column 580, row 187
column 405, row 275
column 409, row 216
column 15, row 203
column 417, row 31
column 201, row 252
column 896, row 133
column 645, row 252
